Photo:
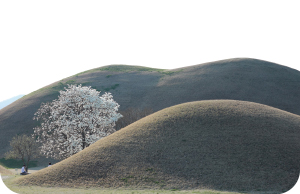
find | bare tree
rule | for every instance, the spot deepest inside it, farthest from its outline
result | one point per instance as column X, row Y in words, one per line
column 23, row 147
column 78, row 118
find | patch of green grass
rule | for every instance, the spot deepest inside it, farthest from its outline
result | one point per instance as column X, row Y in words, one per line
column 59, row 86
column 89, row 84
column 113, row 87
column 70, row 82
column 127, row 68
column 149, row 169
column 86, row 83
column 13, row 163
column 170, row 72
column 125, row 179
column 150, row 179
column 62, row 86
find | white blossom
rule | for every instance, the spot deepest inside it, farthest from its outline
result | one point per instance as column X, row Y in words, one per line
column 78, row 118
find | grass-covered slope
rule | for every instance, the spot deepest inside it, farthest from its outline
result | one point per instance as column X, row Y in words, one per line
column 9, row 101
column 4, row 171
column 216, row 144
column 132, row 86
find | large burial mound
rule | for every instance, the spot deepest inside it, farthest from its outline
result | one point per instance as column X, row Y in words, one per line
column 239, row 79
column 216, row 144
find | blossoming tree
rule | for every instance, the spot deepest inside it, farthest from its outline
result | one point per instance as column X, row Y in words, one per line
column 78, row 118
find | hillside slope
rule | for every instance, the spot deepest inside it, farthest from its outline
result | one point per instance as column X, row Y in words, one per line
column 239, row 79
column 216, row 144
column 4, row 171
column 9, row 101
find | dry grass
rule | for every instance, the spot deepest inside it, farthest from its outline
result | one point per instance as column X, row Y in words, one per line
column 222, row 144
column 9, row 182
column 139, row 87
column 4, row 171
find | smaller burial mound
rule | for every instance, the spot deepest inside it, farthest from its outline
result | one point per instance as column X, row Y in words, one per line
column 4, row 171
column 215, row 144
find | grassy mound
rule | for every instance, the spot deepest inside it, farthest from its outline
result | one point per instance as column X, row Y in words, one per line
column 215, row 144
column 139, row 87
column 4, row 171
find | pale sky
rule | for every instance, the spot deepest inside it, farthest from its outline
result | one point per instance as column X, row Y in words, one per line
column 45, row 41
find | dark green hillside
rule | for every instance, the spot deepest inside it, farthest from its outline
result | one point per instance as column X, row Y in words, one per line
column 216, row 144
column 139, row 87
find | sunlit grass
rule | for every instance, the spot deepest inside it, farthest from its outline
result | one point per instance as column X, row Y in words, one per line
column 9, row 182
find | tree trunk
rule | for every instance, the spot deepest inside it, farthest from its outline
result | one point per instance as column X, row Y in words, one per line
column 27, row 164
column 83, row 140
column 23, row 160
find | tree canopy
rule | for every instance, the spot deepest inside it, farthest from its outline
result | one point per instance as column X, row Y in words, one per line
column 23, row 147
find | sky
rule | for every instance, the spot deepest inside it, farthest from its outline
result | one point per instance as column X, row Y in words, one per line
column 42, row 42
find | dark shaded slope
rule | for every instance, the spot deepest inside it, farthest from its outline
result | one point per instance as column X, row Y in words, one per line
column 219, row 144
column 239, row 79
column 127, row 87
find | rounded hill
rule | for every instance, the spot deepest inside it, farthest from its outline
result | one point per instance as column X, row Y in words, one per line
column 141, row 87
column 216, row 144
column 4, row 171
